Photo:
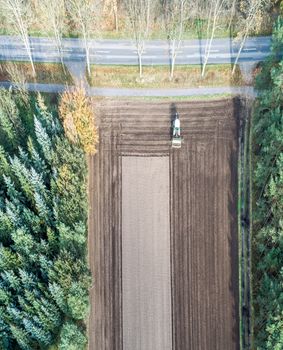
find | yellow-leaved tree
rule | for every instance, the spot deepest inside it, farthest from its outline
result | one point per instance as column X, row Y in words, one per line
column 77, row 115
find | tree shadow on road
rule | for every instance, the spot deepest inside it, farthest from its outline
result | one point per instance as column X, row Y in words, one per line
column 199, row 25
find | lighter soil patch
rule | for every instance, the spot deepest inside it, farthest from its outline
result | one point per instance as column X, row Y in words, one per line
column 146, row 277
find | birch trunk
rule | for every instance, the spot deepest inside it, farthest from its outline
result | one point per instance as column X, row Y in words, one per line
column 18, row 14
column 238, row 54
column 140, row 65
column 207, row 53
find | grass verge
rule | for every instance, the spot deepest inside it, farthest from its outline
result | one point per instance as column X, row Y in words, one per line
column 158, row 33
column 251, row 196
column 51, row 73
column 158, row 76
column 245, row 218
column 196, row 30
column 240, row 248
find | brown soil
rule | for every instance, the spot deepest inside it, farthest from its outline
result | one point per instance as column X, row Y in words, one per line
column 146, row 277
column 203, row 219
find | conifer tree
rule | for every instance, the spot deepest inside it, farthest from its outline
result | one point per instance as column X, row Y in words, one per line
column 71, row 338
column 268, row 204
column 43, row 213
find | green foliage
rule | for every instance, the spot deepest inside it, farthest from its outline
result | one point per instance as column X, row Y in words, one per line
column 268, row 200
column 77, row 301
column 44, row 278
column 10, row 121
column 72, row 338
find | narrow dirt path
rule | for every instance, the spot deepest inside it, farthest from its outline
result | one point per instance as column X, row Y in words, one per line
column 92, row 91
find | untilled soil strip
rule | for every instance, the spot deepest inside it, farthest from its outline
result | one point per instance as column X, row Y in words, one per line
column 146, row 254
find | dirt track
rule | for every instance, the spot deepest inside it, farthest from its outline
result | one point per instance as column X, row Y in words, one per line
column 203, row 225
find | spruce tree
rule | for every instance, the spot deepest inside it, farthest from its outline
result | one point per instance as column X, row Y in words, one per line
column 44, row 278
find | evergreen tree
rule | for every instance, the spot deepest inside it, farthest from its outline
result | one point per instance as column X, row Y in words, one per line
column 44, row 278
column 43, row 139
column 268, row 200
column 77, row 301
column 9, row 120
column 71, row 338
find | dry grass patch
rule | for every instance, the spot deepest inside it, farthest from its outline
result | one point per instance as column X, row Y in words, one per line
column 158, row 76
column 21, row 72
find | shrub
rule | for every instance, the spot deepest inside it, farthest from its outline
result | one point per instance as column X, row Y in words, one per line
column 72, row 338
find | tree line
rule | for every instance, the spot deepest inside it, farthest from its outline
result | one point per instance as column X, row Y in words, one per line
column 44, row 276
column 140, row 18
column 267, row 185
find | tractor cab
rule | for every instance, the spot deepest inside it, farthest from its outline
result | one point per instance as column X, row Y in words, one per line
column 176, row 136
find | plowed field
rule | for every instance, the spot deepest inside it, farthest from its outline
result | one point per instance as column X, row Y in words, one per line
column 163, row 240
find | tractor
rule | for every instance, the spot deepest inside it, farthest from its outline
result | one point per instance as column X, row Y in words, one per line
column 176, row 136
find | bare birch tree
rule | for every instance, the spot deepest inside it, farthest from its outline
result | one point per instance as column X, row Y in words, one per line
column 217, row 9
column 18, row 14
column 232, row 13
column 253, row 12
column 115, row 12
column 110, row 7
column 54, row 18
column 140, row 18
column 175, row 15
column 86, row 15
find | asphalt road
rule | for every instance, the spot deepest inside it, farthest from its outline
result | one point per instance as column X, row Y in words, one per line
column 123, row 51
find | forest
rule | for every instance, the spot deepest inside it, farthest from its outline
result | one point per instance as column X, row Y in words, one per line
column 267, row 210
column 44, row 276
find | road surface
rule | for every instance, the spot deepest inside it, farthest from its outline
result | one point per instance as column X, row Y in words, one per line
column 123, row 51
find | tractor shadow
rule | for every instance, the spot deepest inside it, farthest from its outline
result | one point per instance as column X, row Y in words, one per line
column 173, row 111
